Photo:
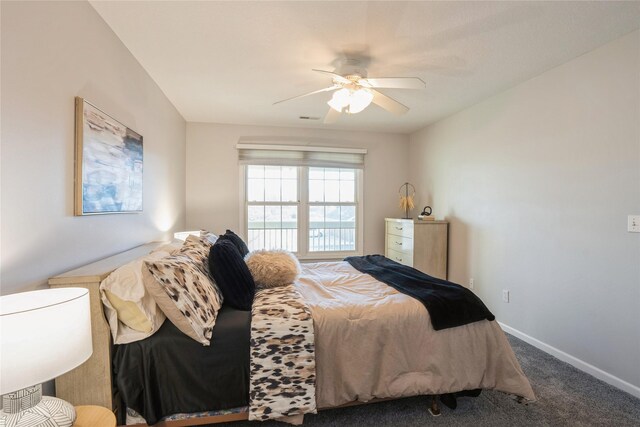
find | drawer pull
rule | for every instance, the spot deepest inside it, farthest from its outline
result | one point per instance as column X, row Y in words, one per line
column 398, row 259
column 398, row 228
column 399, row 243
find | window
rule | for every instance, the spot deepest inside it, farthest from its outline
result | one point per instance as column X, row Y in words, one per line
column 313, row 211
column 272, row 207
column 332, row 209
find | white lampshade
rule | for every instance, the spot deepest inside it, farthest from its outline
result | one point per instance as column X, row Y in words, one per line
column 360, row 100
column 43, row 334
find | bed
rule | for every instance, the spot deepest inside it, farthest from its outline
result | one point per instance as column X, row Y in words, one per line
column 371, row 342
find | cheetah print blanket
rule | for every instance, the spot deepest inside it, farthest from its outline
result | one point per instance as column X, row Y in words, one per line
column 282, row 367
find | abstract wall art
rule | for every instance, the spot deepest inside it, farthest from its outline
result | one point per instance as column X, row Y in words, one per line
column 108, row 168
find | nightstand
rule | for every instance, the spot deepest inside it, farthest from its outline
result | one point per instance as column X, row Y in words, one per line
column 94, row 416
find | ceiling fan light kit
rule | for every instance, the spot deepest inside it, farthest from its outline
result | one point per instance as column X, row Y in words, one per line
column 339, row 100
column 360, row 99
column 354, row 91
column 350, row 100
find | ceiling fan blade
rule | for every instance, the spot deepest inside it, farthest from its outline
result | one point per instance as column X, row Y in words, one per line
column 336, row 77
column 326, row 89
column 394, row 82
column 388, row 104
column 332, row 116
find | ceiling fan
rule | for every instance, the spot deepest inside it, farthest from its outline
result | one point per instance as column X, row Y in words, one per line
column 354, row 91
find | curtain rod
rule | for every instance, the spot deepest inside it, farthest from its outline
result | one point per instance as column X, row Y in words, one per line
column 245, row 146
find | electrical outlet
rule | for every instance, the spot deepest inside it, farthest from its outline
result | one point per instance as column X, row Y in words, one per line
column 505, row 295
column 633, row 223
column 471, row 283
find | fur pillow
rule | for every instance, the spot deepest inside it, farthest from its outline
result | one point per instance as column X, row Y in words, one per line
column 273, row 268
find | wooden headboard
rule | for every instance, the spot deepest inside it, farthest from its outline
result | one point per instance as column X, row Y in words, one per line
column 91, row 382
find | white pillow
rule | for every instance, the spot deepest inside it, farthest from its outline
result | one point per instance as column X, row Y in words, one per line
column 272, row 268
column 131, row 311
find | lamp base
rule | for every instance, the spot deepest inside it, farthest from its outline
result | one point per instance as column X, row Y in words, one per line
column 28, row 408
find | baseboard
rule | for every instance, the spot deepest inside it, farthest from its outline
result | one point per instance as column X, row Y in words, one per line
column 574, row 361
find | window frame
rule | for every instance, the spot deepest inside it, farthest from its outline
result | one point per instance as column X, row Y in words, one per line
column 303, row 204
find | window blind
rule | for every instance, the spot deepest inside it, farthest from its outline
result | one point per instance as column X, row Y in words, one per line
column 301, row 155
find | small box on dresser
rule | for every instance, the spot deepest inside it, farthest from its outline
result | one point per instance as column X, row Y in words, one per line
column 418, row 244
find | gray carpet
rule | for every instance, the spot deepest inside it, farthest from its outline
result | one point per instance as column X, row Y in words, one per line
column 566, row 397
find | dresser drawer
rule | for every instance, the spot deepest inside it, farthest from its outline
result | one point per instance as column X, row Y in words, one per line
column 399, row 243
column 418, row 244
column 398, row 228
column 401, row 257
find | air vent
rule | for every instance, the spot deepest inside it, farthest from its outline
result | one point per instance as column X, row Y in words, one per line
column 309, row 118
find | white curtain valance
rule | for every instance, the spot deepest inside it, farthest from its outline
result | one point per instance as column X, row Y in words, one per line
column 301, row 155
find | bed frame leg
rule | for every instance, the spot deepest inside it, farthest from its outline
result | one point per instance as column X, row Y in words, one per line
column 434, row 409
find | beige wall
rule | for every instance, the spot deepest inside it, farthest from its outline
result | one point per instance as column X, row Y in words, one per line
column 52, row 52
column 213, row 180
column 537, row 183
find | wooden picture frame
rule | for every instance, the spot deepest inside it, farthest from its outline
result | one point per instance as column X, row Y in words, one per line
column 108, row 163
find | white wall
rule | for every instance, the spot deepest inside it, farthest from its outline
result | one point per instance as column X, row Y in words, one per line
column 537, row 183
column 52, row 52
column 213, row 180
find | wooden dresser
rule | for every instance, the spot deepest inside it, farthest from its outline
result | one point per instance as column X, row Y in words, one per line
column 418, row 244
column 91, row 382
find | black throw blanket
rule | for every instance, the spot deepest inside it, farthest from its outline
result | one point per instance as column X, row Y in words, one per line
column 449, row 304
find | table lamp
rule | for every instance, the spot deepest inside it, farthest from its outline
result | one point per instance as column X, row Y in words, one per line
column 43, row 334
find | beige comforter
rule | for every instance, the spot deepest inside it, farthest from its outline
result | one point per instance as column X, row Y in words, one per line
column 374, row 342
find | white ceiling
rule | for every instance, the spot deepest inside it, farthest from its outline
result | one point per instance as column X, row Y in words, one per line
column 228, row 62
